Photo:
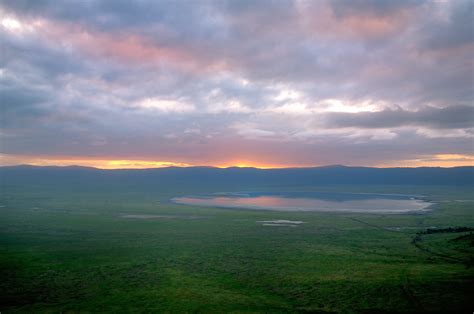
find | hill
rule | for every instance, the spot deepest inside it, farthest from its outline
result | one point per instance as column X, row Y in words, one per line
column 244, row 176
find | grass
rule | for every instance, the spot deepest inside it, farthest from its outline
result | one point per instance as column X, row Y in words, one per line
column 68, row 249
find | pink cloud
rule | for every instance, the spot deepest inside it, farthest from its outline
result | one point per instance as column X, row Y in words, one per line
column 124, row 47
column 321, row 19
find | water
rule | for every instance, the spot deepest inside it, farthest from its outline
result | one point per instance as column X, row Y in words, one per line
column 310, row 202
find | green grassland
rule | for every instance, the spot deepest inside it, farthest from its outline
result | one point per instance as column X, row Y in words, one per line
column 67, row 248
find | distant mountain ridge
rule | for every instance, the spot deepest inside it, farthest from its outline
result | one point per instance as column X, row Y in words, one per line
column 336, row 166
column 336, row 174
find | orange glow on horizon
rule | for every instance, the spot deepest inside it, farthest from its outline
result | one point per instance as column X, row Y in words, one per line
column 9, row 160
column 250, row 164
column 63, row 161
column 440, row 160
column 112, row 163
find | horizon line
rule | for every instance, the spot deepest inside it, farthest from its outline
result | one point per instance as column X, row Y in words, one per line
column 231, row 167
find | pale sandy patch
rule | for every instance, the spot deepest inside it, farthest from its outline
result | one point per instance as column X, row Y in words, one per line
column 282, row 221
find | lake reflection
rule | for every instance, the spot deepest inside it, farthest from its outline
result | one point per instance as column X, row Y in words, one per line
column 318, row 202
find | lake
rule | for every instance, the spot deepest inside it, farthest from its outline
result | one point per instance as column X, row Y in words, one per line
column 310, row 202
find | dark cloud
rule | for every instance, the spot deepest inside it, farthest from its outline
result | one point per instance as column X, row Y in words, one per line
column 372, row 7
column 454, row 30
column 453, row 117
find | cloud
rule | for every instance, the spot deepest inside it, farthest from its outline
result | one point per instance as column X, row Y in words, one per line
column 453, row 117
column 164, row 105
column 289, row 81
column 452, row 29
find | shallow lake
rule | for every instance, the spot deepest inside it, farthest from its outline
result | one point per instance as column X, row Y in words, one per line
column 317, row 202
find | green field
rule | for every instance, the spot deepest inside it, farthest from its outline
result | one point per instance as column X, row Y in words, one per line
column 67, row 248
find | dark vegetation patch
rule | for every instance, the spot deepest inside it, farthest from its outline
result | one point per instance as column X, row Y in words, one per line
column 446, row 230
column 459, row 249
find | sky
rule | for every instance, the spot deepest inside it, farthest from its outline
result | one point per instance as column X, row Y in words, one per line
column 139, row 84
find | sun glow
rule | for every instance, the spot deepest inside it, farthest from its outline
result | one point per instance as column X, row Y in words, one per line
column 8, row 160
column 439, row 160
column 140, row 164
column 250, row 164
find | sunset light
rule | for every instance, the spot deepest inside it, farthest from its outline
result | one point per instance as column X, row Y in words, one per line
column 295, row 84
column 236, row 156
